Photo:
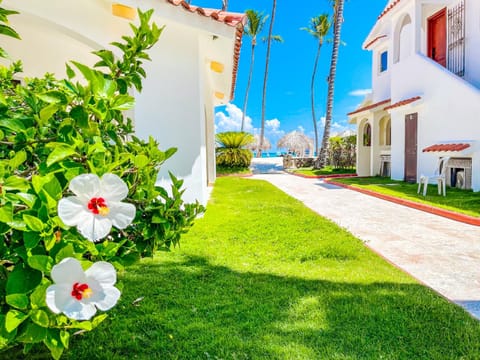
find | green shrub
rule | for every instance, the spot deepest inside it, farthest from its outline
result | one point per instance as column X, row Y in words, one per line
column 232, row 152
column 51, row 132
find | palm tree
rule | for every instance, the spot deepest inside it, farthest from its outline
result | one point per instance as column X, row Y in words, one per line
column 224, row 5
column 255, row 24
column 337, row 27
column 319, row 27
column 269, row 42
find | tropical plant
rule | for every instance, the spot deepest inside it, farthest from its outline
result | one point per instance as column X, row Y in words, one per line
column 337, row 27
column 232, row 150
column 255, row 23
column 319, row 28
column 77, row 193
column 265, row 78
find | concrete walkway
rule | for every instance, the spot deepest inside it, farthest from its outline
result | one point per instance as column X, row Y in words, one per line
column 441, row 253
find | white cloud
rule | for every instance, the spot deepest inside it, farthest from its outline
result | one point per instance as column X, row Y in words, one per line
column 339, row 129
column 232, row 120
column 360, row 92
column 272, row 125
column 301, row 129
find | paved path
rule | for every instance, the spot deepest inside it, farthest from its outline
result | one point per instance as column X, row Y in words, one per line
column 441, row 253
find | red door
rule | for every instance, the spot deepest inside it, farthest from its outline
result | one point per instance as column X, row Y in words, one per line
column 411, row 147
column 437, row 37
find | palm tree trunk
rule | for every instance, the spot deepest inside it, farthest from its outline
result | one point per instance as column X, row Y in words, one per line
column 224, row 5
column 252, row 59
column 337, row 27
column 264, row 96
column 312, row 88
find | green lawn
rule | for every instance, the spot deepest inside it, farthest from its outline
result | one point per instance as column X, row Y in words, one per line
column 462, row 201
column 263, row 277
column 328, row 170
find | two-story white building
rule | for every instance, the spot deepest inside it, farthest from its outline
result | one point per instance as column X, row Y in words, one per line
column 193, row 68
column 425, row 100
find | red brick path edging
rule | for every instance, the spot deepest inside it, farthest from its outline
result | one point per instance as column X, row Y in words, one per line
column 419, row 206
column 320, row 176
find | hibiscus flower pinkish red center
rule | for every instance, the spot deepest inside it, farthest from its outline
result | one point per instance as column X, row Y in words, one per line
column 81, row 291
column 98, row 206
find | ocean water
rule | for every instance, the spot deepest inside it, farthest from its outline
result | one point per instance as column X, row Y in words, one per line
column 273, row 154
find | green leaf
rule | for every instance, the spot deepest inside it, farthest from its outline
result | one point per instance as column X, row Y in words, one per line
column 12, row 124
column 37, row 298
column 69, row 71
column 60, row 152
column 27, row 199
column 13, row 319
column 16, row 182
column 64, row 338
column 53, row 97
column 22, row 280
column 98, row 319
column 19, row 301
column 123, row 102
column 141, row 161
column 50, row 242
column 47, row 112
column 40, row 318
column 80, row 115
column 6, row 213
column 41, row 262
column 18, row 159
column 33, row 334
column 33, row 223
column 31, row 239
column 66, row 251
column 5, row 337
column 8, row 31
column 82, row 325
column 54, row 343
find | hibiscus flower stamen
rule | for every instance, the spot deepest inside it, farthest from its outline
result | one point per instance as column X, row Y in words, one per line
column 98, row 206
column 81, row 291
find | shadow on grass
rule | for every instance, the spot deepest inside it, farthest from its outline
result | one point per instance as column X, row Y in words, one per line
column 194, row 310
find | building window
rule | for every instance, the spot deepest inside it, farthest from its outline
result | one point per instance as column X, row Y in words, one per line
column 383, row 61
column 367, row 135
column 388, row 133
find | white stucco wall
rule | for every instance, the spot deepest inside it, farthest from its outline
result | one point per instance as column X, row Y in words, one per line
column 448, row 110
column 171, row 109
column 381, row 80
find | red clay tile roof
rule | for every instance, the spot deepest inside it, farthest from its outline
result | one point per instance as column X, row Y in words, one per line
column 446, row 147
column 403, row 102
column 368, row 107
column 374, row 40
column 388, row 8
column 237, row 20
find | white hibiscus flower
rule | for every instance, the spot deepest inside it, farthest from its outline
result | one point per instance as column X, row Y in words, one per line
column 97, row 205
column 79, row 294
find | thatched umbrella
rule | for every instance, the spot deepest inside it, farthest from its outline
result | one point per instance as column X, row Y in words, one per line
column 256, row 144
column 296, row 142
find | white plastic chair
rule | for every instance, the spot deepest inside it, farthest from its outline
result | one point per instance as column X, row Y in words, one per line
column 439, row 176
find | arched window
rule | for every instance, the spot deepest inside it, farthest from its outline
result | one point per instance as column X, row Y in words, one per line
column 403, row 39
column 385, row 131
column 388, row 133
column 367, row 135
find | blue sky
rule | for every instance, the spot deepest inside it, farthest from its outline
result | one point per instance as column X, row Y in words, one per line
column 288, row 90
